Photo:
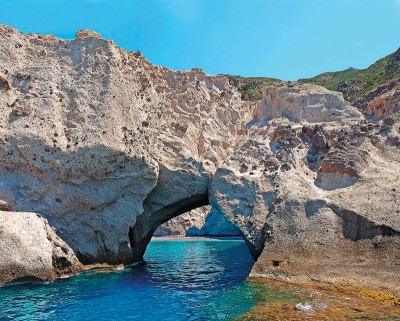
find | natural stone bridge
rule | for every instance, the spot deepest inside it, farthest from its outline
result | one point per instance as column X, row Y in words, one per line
column 107, row 146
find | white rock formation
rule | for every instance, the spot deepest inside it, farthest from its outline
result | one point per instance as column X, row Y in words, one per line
column 107, row 147
column 324, row 212
column 94, row 138
column 309, row 103
column 31, row 250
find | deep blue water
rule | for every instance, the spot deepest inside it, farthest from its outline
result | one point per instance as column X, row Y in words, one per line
column 181, row 280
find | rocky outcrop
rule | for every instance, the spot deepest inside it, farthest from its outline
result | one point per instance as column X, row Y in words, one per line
column 383, row 101
column 215, row 224
column 107, row 147
column 310, row 230
column 319, row 202
column 203, row 221
column 85, row 33
column 90, row 130
column 5, row 84
column 342, row 166
column 31, row 250
column 350, row 88
column 308, row 103
column 4, row 206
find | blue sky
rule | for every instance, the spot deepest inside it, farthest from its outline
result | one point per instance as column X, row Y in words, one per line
column 287, row 39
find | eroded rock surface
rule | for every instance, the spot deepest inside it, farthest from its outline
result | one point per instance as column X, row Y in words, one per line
column 104, row 144
column 319, row 202
column 107, row 147
column 382, row 101
column 31, row 250
column 307, row 102
column 85, row 33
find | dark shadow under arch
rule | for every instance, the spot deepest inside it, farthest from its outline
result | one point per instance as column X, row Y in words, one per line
column 141, row 234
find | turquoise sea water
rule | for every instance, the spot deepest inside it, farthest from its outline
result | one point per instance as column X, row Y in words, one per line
column 181, row 280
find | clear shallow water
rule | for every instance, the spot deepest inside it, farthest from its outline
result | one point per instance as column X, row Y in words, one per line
column 181, row 280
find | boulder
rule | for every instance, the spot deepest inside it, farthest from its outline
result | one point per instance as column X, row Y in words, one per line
column 299, row 102
column 5, row 84
column 30, row 250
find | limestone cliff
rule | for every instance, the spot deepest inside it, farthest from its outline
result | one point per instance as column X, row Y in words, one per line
column 97, row 139
column 107, row 147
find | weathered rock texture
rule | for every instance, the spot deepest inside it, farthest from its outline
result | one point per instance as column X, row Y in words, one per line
column 104, row 144
column 320, row 202
column 202, row 221
column 108, row 147
column 31, row 250
column 381, row 102
column 308, row 103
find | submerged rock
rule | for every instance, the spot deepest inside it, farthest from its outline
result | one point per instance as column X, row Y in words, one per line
column 4, row 206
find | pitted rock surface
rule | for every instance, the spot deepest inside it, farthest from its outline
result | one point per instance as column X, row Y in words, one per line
column 107, row 147
column 96, row 139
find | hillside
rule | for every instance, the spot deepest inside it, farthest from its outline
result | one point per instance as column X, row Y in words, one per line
column 356, row 82
column 250, row 88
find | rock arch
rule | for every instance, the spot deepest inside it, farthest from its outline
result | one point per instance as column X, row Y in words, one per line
column 110, row 140
column 168, row 200
column 107, row 146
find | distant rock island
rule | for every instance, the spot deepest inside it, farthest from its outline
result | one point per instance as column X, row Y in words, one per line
column 99, row 147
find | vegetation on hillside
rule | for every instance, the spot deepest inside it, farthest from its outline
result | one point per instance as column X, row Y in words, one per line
column 351, row 82
column 251, row 87
column 356, row 82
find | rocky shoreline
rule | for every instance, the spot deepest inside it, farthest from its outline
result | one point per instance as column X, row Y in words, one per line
column 106, row 147
column 321, row 302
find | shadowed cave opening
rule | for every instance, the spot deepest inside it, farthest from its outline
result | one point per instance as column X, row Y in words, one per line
column 141, row 233
column 212, row 223
column 196, row 236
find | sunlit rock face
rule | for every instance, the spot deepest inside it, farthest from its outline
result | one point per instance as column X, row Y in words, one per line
column 382, row 101
column 308, row 103
column 320, row 202
column 104, row 144
column 107, row 147
column 31, row 250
